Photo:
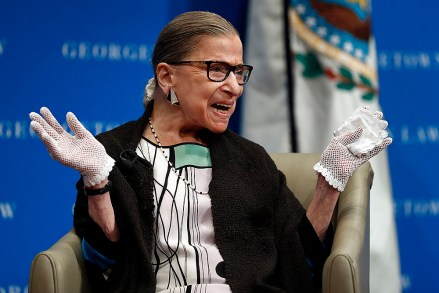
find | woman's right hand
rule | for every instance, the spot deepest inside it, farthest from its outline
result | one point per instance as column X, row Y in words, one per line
column 80, row 151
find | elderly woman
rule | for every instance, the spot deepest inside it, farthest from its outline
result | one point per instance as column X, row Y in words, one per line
column 176, row 202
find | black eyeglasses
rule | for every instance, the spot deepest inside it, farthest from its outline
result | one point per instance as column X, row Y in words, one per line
column 218, row 71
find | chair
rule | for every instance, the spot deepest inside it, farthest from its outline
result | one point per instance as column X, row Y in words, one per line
column 60, row 269
column 347, row 268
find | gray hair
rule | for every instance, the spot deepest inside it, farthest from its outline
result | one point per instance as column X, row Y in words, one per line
column 181, row 36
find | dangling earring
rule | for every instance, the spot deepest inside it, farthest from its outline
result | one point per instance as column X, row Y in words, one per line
column 173, row 98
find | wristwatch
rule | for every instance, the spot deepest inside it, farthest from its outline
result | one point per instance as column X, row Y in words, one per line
column 92, row 192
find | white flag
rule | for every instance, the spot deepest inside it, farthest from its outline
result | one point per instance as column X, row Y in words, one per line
column 332, row 58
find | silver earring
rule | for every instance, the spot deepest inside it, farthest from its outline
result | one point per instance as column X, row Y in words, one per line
column 173, row 98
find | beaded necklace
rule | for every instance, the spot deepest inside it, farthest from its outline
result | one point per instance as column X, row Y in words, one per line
column 170, row 164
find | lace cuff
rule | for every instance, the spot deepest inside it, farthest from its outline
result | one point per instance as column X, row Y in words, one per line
column 329, row 177
column 93, row 179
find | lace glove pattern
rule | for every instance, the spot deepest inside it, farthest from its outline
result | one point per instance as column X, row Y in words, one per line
column 337, row 162
column 80, row 151
column 374, row 130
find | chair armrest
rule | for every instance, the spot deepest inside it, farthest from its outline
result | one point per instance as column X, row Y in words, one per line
column 347, row 267
column 60, row 269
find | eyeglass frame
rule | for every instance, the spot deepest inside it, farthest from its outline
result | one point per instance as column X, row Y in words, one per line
column 209, row 62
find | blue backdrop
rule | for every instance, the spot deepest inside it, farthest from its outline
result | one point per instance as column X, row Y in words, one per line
column 93, row 58
column 408, row 58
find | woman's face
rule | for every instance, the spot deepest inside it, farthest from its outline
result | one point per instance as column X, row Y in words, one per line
column 205, row 103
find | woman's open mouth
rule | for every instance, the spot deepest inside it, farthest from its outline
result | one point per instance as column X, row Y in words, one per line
column 222, row 108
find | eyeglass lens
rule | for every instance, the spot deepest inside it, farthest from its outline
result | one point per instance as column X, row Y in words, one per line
column 219, row 71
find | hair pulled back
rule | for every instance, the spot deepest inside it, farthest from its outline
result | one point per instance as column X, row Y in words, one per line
column 181, row 36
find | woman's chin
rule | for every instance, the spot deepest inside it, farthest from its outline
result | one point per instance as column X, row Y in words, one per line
column 218, row 127
column 219, row 120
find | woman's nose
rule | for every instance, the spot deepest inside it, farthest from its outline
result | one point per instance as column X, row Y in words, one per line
column 233, row 84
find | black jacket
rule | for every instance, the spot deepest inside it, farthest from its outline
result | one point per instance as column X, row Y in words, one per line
column 255, row 217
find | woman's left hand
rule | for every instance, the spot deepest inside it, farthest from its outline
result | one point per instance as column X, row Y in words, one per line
column 337, row 162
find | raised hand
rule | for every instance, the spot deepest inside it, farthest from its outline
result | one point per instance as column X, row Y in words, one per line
column 80, row 151
column 337, row 162
column 374, row 130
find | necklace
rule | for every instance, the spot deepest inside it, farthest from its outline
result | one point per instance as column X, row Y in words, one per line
column 170, row 164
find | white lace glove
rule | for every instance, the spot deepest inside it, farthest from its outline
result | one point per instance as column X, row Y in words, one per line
column 337, row 162
column 373, row 130
column 81, row 151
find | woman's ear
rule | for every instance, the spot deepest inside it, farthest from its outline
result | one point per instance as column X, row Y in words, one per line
column 164, row 74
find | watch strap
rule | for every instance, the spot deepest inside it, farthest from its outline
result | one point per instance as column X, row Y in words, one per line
column 100, row 191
